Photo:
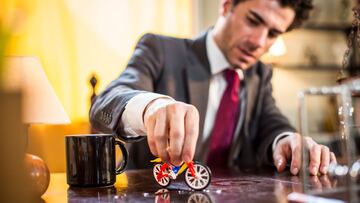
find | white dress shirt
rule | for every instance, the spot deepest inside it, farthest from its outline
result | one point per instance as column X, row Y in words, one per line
column 132, row 117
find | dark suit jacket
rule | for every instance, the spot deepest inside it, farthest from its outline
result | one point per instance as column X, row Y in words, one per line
column 180, row 68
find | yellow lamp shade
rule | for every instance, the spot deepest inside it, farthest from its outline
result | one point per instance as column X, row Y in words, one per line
column 40, row 103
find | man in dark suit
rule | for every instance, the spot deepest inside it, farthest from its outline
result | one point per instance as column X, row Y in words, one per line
column 210, row 98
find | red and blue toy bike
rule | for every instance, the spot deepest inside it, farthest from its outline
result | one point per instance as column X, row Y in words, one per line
column 197, row 176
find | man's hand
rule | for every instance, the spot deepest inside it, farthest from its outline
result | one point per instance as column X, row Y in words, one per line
column 172, row 130
column 289, row 149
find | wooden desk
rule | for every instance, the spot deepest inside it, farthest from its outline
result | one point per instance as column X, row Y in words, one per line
column 139, row 186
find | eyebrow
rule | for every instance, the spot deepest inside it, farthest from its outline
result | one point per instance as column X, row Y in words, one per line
column 262, row 21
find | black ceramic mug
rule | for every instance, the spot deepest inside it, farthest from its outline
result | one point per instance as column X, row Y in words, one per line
column 91, row 161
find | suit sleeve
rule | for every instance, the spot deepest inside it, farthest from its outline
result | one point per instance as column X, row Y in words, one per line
column 139, row 76
column 271, row 121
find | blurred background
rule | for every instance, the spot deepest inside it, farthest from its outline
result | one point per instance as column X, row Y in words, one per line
column 76, row 39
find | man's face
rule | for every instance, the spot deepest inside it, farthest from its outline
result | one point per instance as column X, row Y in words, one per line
column 245, row 32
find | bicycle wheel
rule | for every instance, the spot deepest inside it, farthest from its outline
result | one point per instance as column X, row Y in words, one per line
column 202, row 177
column 199, row 197
column 162, row 195
column 164, row 181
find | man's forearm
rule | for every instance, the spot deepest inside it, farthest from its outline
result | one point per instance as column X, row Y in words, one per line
column 132, row 117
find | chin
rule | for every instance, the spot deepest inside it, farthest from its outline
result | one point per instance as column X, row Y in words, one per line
column 241, row 63
column 243, row 66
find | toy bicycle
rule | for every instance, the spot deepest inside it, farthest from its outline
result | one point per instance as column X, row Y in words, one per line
column 197, row 176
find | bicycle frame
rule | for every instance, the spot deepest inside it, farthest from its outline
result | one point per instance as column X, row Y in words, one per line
column 165, row 166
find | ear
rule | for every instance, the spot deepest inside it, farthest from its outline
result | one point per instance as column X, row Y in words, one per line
column 226, row 6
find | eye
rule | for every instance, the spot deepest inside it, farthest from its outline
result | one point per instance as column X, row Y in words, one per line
column 253, row 21
column 273, row 34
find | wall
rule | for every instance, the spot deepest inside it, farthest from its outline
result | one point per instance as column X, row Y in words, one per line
column 207, row 13
column 73, row 40
column 79, row 47
column 287, row 83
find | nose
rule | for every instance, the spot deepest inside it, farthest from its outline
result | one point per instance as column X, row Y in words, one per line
column 258, row 39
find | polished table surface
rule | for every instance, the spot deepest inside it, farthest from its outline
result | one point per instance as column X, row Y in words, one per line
column 226, row 186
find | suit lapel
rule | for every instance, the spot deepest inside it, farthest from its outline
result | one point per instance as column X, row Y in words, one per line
column 198, row 80
column 252, row 81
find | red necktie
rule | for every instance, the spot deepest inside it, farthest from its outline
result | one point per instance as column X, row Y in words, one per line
column 225, row 122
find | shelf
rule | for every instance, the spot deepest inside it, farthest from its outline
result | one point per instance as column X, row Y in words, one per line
column 323, row 67
column 328, row 27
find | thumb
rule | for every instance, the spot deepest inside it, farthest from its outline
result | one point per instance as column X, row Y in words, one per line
column 279, row 157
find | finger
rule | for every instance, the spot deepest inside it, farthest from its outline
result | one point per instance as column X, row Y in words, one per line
column 150, row 125
column 325, row 159
column 296, row 184
column 280, row 155
column 160, row 135
column 296, row 154
column 315, row 156
column 176, row 135
column 333, row 158
column 333, row 183
column 315, row 182
column 191, row 133
column 325, row 181
column 280, row 188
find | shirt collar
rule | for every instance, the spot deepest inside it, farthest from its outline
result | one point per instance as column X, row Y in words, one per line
column 217, row 60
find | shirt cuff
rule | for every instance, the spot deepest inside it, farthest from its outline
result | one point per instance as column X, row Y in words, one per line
column 132, row 117
column 279, row 137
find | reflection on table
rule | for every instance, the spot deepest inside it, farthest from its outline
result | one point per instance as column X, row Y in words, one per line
column 226, row 186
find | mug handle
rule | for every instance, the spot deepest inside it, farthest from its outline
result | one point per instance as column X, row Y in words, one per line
column 125, row 155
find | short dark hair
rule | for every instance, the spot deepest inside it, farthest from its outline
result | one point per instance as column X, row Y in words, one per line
column 302, row 9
